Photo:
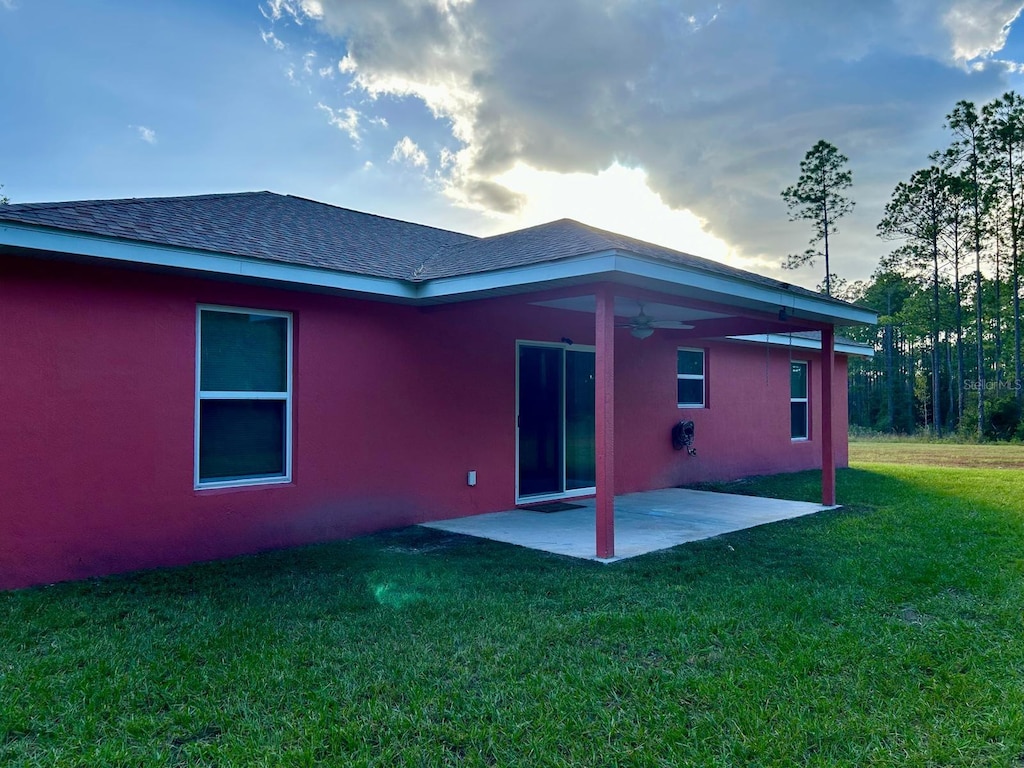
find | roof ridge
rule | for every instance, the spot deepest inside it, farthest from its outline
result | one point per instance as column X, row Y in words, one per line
column 378, row 216
column 445, row 250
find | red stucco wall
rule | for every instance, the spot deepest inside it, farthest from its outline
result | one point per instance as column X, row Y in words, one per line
column 744, row 428
column 392, row 406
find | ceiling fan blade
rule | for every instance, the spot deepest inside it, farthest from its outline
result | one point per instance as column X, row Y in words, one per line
column 677, row 325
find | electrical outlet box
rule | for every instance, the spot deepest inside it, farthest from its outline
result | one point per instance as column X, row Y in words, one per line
column 471, row 477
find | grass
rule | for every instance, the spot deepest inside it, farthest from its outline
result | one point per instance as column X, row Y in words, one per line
column 888, row 633
column 936, row 454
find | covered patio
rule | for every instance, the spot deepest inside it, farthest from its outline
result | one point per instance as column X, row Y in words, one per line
column 644, row 522
column 708, row 308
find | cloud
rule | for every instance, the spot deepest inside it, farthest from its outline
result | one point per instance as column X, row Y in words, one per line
column 618, row 199
column 980, row 28
column 406, row 151
column 715, row 102
column 297, row 10
column 345, row 119
column 148, row 135
column 8, row 5
column 271, row 39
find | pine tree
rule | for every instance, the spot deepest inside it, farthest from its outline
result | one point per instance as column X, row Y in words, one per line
column 818, row 197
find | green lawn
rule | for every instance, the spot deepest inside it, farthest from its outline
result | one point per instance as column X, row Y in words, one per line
column 889, row 633
column 947, row 454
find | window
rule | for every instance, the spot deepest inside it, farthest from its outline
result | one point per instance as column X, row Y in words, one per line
column 243, row 397
column 690, row 378
column 798, row 401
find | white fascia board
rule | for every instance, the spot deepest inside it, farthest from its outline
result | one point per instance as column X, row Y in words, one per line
column 799, row 342
column 603, row 263
column 134, row 252
column 798, row 304
column 525, row 278
column 589, row 266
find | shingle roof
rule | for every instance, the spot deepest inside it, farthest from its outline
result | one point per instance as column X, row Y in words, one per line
column 564, row 239
column 265, row 225
column 261, row 225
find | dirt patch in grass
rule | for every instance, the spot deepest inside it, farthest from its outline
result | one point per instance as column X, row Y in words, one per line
column 937, row 454
column 908, row 614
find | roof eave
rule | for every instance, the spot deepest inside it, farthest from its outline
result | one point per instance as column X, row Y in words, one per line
column 119, row 250
column 799, row 342
column 613, row 265
column 629, row 268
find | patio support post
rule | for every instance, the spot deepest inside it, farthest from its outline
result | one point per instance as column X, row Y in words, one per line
column 604, row 420
column 828, row 450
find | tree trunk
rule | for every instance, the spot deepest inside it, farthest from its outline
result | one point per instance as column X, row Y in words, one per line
column 824, row 214
column 936, row 376
column 908, row 360
column 1017, row 323
column 951, row 389
column 979, row 329
column 890, row 379
column 1014, row 258
column 957, row 292
column 999, row 322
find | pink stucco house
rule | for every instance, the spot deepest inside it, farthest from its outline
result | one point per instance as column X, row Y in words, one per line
column 191, row 378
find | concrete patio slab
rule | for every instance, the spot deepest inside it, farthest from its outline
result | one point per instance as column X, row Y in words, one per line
column 644, row 522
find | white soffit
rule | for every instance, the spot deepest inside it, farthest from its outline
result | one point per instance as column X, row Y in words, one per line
column 802, row 342
column 628, row 307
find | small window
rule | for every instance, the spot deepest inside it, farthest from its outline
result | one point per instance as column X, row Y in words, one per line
column 243, row 397
column 690, row 378
column 798, row 401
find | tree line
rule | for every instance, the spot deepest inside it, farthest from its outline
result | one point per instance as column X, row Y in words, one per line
column 948, row 343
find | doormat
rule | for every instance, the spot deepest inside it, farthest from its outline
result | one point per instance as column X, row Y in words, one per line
column 552, row 506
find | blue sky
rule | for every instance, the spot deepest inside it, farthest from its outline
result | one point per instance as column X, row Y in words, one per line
column 675, row 121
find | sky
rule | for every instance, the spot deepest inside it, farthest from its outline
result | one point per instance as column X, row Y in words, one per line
column 678, row 122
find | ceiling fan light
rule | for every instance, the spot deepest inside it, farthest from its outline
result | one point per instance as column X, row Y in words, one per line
column 641, row 332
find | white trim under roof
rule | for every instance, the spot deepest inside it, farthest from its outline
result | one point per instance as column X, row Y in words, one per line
column 151, row 254
column 722, row 288
column 681, row 279
column 802, row 342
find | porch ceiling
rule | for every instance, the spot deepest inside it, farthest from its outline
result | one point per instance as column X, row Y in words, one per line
column 627, row 307
column 703, row 319
column 644, row 522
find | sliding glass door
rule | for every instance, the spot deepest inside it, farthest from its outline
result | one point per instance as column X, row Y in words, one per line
column 556, row 420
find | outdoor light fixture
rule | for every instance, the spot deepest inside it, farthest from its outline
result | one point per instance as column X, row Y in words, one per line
column 567, row 341
column 783, row 314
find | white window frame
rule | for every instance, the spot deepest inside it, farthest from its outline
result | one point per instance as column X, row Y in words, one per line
column 285, row 396
column 693, row 377
column 806, row 400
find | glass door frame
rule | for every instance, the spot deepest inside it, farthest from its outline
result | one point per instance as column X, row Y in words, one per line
column 563, row 494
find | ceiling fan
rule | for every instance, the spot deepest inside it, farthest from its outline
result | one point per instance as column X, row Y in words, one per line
column 643, row 325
